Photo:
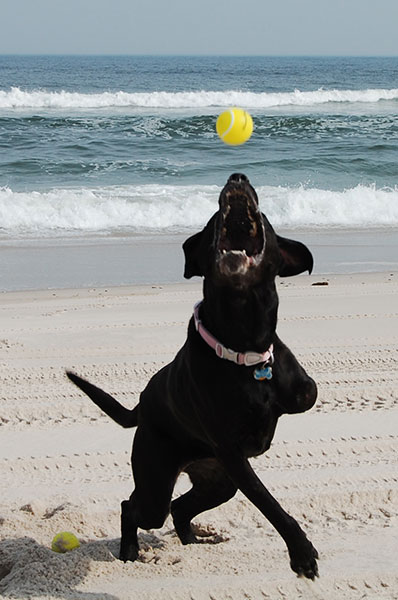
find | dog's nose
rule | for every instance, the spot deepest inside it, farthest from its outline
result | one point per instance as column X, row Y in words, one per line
column 238, row 178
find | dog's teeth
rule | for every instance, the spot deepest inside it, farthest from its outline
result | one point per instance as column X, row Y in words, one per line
column 224, row 251
column 244, row 251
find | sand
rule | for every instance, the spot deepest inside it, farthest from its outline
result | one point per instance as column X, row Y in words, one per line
column 91, row 261
column 65, row 466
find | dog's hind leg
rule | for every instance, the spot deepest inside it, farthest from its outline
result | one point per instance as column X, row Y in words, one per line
column 129, row 540
column 156, row 466
column 211, row 487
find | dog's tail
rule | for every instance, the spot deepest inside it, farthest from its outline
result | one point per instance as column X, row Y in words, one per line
column 123, row 416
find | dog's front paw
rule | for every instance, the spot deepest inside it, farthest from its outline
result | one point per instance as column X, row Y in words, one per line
column 303, row 560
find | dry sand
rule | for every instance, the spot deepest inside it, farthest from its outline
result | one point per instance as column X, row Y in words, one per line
column 65, row 466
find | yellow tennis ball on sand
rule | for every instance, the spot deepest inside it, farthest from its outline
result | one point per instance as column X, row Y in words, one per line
column 234, row 126
column 64, row 541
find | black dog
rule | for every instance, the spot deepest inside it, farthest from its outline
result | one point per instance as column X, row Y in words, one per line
column 212, row 408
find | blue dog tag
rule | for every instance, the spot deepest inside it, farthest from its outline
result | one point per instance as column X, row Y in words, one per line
column 264, row 372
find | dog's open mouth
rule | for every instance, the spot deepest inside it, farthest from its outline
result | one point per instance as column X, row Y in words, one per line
column 241, row 237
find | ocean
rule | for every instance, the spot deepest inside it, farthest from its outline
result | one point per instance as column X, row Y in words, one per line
column 120, row 152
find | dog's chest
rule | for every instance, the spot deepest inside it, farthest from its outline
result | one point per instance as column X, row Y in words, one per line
column 251, row 422
column 256, row 433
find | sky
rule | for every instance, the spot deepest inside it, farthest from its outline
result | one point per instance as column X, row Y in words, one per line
column 234, row 27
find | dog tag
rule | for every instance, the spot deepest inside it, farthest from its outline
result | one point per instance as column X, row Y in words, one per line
column 264, row 372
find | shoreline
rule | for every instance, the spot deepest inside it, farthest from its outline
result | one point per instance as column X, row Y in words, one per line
column 93, row 261
column 66, row 467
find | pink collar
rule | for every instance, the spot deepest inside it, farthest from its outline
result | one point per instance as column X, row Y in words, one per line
column 240, row 358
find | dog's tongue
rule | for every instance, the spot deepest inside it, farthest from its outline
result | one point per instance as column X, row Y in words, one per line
column 235, row 262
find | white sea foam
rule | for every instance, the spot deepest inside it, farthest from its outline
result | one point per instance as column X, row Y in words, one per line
column 363, row 206
column 17, row 98
column 150, row 208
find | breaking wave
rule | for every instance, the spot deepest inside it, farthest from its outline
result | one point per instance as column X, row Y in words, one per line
column 17, row 98
column 162, row 208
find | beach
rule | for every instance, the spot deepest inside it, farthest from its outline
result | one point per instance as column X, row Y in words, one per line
column 84, row 261
column 66, row 467
column 111, row 162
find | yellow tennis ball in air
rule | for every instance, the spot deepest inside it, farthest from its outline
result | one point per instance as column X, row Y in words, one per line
column 64, row 541
column 234, row 126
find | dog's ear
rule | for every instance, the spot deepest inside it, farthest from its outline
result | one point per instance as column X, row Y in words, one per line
column 296, row 258
column 191, row 251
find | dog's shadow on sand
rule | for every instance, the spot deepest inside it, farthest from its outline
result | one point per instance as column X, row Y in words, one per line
column 29, row 569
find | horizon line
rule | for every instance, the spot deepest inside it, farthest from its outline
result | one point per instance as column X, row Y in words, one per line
column 199, row 55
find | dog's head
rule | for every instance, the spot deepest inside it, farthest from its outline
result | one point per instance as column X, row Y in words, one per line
column 238, row 246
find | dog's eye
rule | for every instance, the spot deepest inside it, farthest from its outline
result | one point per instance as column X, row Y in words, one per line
column 253, row 230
